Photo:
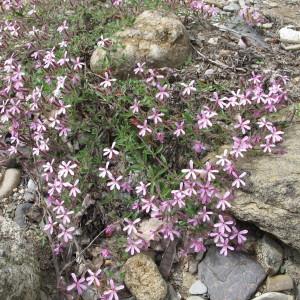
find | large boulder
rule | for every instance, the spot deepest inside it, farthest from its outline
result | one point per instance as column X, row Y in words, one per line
column 156, row 37
column 273, row 199
column 19, row 269
column 143, row 279
column 235, row 276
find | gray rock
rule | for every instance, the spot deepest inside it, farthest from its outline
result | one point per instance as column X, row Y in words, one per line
column 19, row 269
column 269, row 254
column 198, row 288
column 291, row 263
column 20, row 214
column 279, row 283
column 156, row 37
column 272, row 202
column 298, row 292
column 143, row 279
column 232, row 7
column 274, row 296
column 235, row 274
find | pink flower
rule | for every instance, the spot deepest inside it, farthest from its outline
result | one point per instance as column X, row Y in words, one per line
column 275, row 135
column 191, row 172
column 238, row 182
column 169, row 232
column 205, row 215
column 74, row 190
column 107, row 83
column 223, row 201
column 78, row 284
column 163, row 93
column 223, row 158
column 148, row 204
column 188, row 88
column 77, row 64
column 225, row 247
column 197, row 245
column 130, row 227
column 135, row 108
column 139, row 68
column 144, row 129
column 65, row 216
column 112, row 294
column 104, row 172
column 156, row 116
column 66, row 168
column 134, row 246
column 218, row 236
column 66, row 233
column 239, row 235
column 93, row 277
column 223, row 225
column 179, row 129
column 243, row 125
column 114, row 183
column 50, row 226
column 142, row 188
column 110, row 152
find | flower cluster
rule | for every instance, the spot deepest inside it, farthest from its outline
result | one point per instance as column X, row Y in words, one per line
column 205, row 9
column 252, row 16
column 211, row 188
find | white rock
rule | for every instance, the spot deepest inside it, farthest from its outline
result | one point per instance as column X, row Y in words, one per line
column 194, row 298
column 198, row 288
column 274, row 296
column 289, row 35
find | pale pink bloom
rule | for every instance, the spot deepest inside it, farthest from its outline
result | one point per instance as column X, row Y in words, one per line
column 210, row 172
column 219, row 101
column 197, row 245
column 238, row 182
column 156, row 116
column 148, row 204
column 65, row 216
column 264, row 123
column 223, row 160
column 139, row 69
column 56, row 186
column 103, row 42
column 191, row 172
column 238, row 234
column 77, row 65
column 275, row 135
column 267, row 147
column 142, row 188
column 179, row 129
column 66, row 168
column 134, row 246
column 112, row 294
column 188, row 88
column 78, row 284
column 222, row 225
column 169, row 232
column 225, row 247
column 218, row 236
column 63, row 27
column 135, row 108
column 50, row 225
column 223, row 201
column 104, row 172
column 242, row 124
column 205, row 215
column 130, row 227
column 144, row 129
column 93, row 277
column 59, row 207
column 66, row 233
column 107, row 83
column 114, row 183
column 110, row 152
column 163, row 93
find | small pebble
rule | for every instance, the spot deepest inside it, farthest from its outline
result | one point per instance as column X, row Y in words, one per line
column 198, row 288
column 280, row 283
column 194, row 298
